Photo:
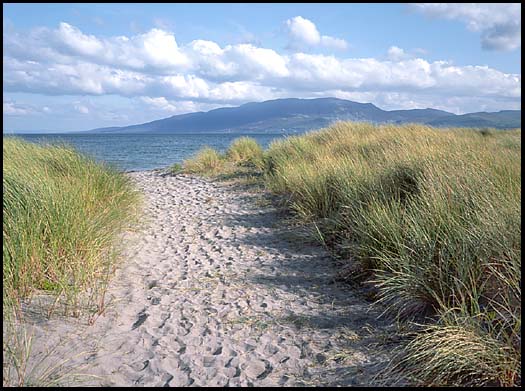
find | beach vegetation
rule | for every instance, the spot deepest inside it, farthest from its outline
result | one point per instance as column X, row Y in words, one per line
column 431, row 219
column 63, row 217
column 245, row 151
column 207, row 161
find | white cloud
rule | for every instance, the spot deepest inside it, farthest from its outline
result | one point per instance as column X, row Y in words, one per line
column 14, row 108
column 157, row 49
column 303, row 33
column 159, row 103
column 335, row 43
column 396, row 54
column 257, row 61
column 173, row 107
column 154, row 66
column 244, row 61
column 11, row 108
column 240, row 92
column 161, row 49
column 185, row 86
column 78, row 42
column 80, row 78
column 499, row 23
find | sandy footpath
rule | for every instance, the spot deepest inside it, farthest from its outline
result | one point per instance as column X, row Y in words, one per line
column 213, row 292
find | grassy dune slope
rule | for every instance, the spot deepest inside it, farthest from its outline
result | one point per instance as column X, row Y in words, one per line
column 62, row 213
column 431, row 219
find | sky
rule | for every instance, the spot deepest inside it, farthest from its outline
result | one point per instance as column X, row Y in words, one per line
column 69, row 67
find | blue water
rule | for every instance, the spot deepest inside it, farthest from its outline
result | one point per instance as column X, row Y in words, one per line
column 133, row 152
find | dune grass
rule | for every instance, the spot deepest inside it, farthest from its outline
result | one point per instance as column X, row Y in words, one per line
column 245, row 151
column 62, row 213
column 243, row 159
column 432, row 219
column 207, row 161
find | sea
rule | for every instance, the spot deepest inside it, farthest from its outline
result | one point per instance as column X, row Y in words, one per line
column 137, row 152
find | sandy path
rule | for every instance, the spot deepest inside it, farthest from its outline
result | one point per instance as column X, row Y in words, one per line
column 213, row 294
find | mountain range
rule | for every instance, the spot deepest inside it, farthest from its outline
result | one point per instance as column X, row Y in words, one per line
column 298, row 115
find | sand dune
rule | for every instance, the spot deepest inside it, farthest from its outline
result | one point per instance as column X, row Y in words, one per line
column 213, row 292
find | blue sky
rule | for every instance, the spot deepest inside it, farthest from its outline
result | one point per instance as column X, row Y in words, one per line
column 81, row 66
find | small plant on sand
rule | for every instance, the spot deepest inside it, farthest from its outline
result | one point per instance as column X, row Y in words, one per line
column 245, row 151
column 175, row 168
column 55, row 366
column 207, row 161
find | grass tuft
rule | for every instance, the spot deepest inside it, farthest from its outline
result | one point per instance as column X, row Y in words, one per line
column 207, row 161
column 62, row 216
column 245, row 151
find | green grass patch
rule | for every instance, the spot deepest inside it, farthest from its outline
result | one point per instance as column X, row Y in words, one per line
column 62, row 213
column 206, row 162
column 245, row 151
column 62, row 217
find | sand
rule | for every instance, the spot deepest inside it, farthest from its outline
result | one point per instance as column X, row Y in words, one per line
column 216, row 290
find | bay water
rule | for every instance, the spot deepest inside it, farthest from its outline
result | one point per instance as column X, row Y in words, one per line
column 136, row 152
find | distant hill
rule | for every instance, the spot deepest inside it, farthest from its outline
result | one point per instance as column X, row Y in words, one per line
column 297, row 115
column 502, row 120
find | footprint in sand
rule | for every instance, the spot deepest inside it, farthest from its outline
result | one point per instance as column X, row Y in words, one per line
column 248, row 309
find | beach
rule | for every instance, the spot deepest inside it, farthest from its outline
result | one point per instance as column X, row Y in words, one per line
column 215, row 290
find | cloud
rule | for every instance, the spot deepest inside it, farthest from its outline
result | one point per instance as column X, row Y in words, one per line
column 72, row 38
column 413, row 100
column 499, row 23
column 241, row 61
column 159, row 103
column 396, row 54
column 160, row 48
column 174, row 107
column 12, row 108
column 335, row 43
column 81, row 78
column 153, row 69
column 303, row 33
column 152, row 51
column 502, row 37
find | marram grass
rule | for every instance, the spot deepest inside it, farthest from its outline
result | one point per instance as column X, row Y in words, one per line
column 245, row 151
column 62, row 213
column 206, row 161
column 430, row 217
column 244, row 157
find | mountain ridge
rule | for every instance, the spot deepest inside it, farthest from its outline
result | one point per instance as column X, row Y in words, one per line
column 298, row 115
